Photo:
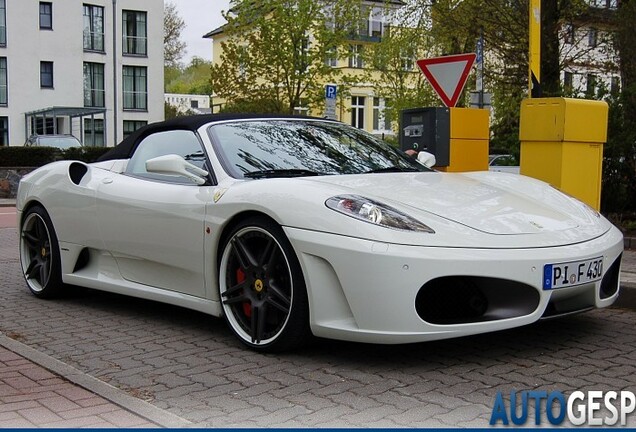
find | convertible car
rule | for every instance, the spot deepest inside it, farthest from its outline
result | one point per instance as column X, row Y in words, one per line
column 291, row 226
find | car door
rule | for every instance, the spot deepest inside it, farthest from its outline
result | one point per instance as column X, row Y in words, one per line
column 154, row 224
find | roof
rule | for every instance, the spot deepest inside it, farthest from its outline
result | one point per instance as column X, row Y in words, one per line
column 214, row 32
column 66, row 111
column 127, row 147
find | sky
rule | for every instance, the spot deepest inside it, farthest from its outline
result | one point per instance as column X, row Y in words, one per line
column 200, row 17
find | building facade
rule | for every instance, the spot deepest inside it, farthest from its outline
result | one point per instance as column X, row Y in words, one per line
column 587, row 51
column 93, row 69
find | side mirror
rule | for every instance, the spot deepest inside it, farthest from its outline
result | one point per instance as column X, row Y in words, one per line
column 175, row 165
column 427, row 159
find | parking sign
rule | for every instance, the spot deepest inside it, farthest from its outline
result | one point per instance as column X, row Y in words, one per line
column 331, row 91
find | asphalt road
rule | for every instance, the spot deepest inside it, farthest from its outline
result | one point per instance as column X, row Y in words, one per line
column 190, row 364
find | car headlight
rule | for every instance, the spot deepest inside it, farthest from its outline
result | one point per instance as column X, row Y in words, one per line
column 376, row 213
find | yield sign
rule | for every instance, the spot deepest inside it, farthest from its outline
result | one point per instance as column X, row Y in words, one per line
column 448, row 75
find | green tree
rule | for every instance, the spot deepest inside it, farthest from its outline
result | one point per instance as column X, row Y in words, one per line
column 173, row 47
column 193, row 79
column 276, row 50
column 393, row 73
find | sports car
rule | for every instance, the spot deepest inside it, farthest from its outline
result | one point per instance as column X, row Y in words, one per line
column 290, row 227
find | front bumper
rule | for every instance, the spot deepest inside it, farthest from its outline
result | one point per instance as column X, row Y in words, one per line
column 365, row 291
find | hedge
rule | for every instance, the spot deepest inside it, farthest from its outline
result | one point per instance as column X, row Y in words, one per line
column 18, row 156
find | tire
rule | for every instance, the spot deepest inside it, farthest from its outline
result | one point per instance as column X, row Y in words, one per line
column 261, row 287
column 40, row 254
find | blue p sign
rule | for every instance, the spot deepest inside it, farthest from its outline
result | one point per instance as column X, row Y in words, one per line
column 330, row 91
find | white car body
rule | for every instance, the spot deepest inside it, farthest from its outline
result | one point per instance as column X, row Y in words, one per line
column 160, row 242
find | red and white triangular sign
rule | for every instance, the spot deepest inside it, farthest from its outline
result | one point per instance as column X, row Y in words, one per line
column 448, row 75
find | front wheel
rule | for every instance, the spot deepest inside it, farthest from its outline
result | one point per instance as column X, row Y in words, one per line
column 39, row 254
column 262, row 288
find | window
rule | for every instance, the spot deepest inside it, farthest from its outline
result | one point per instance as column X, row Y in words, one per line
column 4, row 131
column 135, row 88
column 569, row 33
column 135, row 33
column 93, row 28
column 301, row 108
column 43, row 126
column 568, row 80
column 357, row 112
column 94, row 85
column 355, row 56
column 615, row 85
column 132, row 125
column 194, row 104
column 46, row 15
column 591, row 85
column 94, row 132
column 3, row 23
column 301, row 57
column 331, row 59
column 376, row 23
column 4, row 96
column 592, row 37
column 46, row 74
column 381, row 116
column 179, row 142
column 407, row 60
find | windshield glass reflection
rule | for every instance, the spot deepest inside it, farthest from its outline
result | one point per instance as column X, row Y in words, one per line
column 306, row 147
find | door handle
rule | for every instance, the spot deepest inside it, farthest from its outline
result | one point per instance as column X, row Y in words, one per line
column 107, row 180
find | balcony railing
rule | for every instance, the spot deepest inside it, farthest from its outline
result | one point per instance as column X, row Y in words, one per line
column 135, row 45
column 93, row 41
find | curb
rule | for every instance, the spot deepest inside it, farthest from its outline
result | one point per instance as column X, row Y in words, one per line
column 136, row 406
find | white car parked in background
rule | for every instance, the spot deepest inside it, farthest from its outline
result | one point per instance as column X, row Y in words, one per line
column 503, row 163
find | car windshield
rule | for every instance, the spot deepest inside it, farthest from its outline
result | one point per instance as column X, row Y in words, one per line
column 273, row 148
column 63, row 143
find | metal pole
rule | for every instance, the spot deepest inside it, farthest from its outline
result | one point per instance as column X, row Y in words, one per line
column 534, row 73
column 115, row 92
column 480, row 67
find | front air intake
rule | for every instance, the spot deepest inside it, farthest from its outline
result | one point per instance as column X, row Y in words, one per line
column 466, row 299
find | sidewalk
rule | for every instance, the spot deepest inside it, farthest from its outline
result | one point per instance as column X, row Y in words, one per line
column 38, row 391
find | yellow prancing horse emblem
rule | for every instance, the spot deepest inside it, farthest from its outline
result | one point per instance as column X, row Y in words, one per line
column 258, row 285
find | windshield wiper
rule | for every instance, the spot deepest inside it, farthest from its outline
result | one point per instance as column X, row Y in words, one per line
column 271, row 173
column 391, row 169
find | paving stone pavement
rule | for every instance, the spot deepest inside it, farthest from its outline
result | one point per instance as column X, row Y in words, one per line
column 31, row 396
column 190, row 364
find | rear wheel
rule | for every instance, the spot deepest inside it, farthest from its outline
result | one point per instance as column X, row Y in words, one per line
column 39, row 254
column 262, row 288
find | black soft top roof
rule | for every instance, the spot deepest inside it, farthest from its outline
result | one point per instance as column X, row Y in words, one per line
column 127, row 147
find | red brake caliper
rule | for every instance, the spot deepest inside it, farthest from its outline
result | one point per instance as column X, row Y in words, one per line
column 247, row 307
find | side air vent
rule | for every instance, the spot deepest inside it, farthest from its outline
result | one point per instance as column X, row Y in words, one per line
column 77, row 171
column 82, row 260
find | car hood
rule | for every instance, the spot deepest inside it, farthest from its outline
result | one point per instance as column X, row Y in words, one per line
column 493, row 203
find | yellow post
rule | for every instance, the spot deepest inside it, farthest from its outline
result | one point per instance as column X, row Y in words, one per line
column 562, row 144
column 469, row 135
column 534, row 36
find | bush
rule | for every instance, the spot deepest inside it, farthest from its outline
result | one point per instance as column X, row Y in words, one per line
column 26, row 156
column 18, row 156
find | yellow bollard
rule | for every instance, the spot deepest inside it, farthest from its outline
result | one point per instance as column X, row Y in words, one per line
column 469, row 135
column 562, row 144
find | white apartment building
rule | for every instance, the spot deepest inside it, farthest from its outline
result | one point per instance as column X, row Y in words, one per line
column 93, row 68
column 189, row 103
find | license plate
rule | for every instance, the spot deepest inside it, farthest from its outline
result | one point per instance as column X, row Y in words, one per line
column 573, row 273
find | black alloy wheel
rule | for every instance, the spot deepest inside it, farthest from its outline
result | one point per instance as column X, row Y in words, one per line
column 262, row 288
column 39, row 254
